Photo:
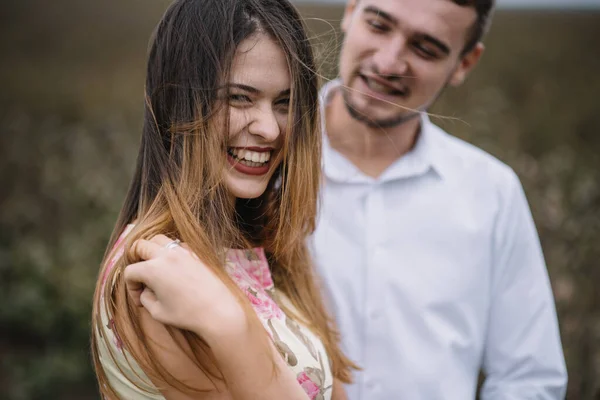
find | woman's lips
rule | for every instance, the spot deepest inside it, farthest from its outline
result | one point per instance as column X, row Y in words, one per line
column 250, row 160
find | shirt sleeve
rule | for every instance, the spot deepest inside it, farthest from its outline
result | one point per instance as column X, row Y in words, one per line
column 523, row 357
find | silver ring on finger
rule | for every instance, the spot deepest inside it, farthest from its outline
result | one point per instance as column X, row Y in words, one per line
column 173, row 244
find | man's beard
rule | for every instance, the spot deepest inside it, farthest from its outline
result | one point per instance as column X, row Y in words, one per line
column 378, row 123
column 393, row 121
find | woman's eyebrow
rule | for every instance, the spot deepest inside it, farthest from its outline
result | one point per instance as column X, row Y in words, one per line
column 241, row 86
column 254, row 90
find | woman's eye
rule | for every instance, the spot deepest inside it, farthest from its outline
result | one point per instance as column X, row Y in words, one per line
column 283, row 103
column 239, row 98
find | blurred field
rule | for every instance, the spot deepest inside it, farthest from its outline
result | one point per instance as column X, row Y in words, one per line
column 71, row 79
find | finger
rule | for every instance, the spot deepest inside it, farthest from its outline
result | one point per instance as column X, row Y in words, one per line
column 137, row 276
column 134, row 289
column 149, row 301
column 135, row 294
column 188, row 249
column 147, row 250
column 161, row 240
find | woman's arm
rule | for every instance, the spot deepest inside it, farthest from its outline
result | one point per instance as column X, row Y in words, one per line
column 174, row 288
column 339, row 393
column 248, row 370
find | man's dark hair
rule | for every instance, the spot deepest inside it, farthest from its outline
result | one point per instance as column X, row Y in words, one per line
column 484, row 9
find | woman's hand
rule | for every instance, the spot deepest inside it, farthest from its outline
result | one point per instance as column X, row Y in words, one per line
column 177, row 289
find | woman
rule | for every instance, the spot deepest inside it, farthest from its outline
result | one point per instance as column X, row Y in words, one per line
column 207, row 290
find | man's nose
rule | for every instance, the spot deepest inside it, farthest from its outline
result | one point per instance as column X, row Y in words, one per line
column 390, row 60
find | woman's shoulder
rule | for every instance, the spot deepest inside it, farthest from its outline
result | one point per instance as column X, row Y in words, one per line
column 124, row 375
column 126, row 357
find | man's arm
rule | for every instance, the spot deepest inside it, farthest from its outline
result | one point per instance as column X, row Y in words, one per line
column 523, row 356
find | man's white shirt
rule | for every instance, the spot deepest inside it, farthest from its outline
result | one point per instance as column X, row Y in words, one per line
column 433, row 270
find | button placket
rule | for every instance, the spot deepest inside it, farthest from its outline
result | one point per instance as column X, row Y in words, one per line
column 375, row 252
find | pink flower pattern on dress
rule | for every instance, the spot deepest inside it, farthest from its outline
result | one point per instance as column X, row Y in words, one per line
column 311, row 388
column 116, row 338
column 254, row 262
column 250, row 271
column 264, row 306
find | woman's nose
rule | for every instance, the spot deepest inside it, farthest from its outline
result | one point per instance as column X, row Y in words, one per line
column 265, row 124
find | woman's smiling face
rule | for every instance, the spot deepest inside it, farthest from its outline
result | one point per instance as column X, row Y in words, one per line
column 259, row 90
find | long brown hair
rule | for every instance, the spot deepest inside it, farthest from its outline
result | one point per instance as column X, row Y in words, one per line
column 177, row 190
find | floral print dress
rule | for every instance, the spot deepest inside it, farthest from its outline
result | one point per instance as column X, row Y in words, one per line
column 302, row 350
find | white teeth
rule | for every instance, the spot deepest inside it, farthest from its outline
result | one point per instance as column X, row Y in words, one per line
column 378, row 87
column 252, row 157
column 251, row 164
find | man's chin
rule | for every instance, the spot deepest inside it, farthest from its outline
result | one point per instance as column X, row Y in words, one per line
column 376, row 115
column 373, row 120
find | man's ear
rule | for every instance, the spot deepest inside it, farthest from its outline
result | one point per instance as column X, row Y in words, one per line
column 348, row 11
column 466, row 65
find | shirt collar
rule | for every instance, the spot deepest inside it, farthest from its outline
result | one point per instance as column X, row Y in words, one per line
column 427, row 155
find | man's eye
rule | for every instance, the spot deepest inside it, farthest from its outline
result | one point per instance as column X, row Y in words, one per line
column 377, row 26
column 425, row 51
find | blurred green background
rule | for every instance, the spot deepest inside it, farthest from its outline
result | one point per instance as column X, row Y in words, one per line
column 71, row 84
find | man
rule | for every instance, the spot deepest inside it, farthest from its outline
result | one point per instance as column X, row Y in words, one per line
column 426, row 244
